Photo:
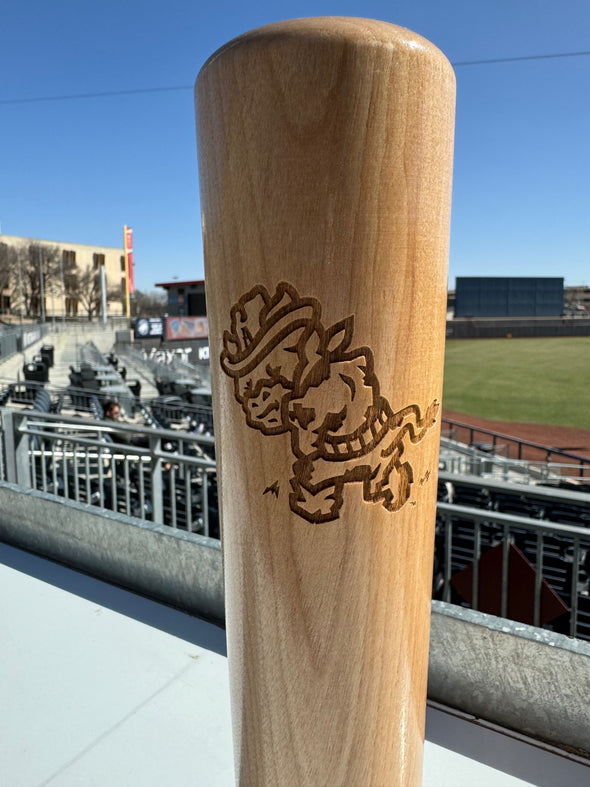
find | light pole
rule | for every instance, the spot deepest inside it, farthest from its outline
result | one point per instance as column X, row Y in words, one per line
column 103, row 294
column 20, row 288
column 63, row 287
column 41, row 286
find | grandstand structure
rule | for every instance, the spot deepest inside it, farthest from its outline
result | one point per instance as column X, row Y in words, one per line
column 507, row 528
column 533, row 516
column 512, row 534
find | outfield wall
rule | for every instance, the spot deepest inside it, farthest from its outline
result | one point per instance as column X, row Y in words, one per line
column 500, row 328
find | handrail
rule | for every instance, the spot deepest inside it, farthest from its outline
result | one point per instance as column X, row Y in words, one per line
column 169, row 484
column 496, row 436
column 534, row 491
column 58, row 420
column 578, row 535
column 512, row 520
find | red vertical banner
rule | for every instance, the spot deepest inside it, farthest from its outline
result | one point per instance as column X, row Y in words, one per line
column 129, row 258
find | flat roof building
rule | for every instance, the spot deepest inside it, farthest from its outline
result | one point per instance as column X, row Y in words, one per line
column 185, row 298
column 58, row 278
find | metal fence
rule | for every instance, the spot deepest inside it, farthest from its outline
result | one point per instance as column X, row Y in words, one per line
column 17, row 338
column 461, row 459
column 164, row 476
column 176, row 369
column 520, row 553
column 507, row 447
column 479, row 328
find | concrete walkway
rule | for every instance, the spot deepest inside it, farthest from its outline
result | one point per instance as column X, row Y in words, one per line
column 103, row 687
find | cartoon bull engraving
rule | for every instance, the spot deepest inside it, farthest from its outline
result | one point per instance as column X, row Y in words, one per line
column 293, row 375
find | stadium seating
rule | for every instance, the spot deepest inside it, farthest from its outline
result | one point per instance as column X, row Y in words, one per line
column 36, row 371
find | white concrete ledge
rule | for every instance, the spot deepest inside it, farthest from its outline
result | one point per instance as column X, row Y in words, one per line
column 178, row 568
column 104, row 687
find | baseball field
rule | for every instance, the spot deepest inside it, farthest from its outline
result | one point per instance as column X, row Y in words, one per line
column 534, row 381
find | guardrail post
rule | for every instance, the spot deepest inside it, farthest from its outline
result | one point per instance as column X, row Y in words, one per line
column 16, row 449
column 156, row 479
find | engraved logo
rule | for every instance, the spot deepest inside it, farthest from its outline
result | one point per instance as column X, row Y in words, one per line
column 293, row 375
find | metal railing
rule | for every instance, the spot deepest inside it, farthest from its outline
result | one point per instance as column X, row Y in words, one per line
column 496, row 494
column 552, row 556
column 514, row 447
column 164, row 476
column 168, row 477
column 575, row 546
column 175, row 369
column 17, row 338
column 462, row 459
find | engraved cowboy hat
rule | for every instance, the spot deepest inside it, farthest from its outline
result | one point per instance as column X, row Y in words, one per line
column 260, row 323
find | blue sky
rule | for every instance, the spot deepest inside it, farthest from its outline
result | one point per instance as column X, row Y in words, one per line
column 78, row 170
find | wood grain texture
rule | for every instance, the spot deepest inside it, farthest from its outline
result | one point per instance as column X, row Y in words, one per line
column 325, row 157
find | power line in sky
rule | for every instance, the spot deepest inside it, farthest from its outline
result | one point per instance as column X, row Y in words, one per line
column 518, row 59
column 106, row 93
column 103, row 94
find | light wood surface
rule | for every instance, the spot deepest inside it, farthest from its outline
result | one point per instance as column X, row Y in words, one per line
column 325, row 157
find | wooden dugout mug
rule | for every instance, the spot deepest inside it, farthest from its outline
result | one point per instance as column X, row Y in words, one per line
column 325, row 157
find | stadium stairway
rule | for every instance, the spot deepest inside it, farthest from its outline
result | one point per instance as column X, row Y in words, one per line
column 138, row 371
column 66, row 344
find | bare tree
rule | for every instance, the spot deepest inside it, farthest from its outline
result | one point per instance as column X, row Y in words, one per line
column 36, row 267
column 84, row 289
column 8, row 264
column 148, row 304
column 69, row 277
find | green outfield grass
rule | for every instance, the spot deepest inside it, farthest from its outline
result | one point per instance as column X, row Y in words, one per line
column 543, row 381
